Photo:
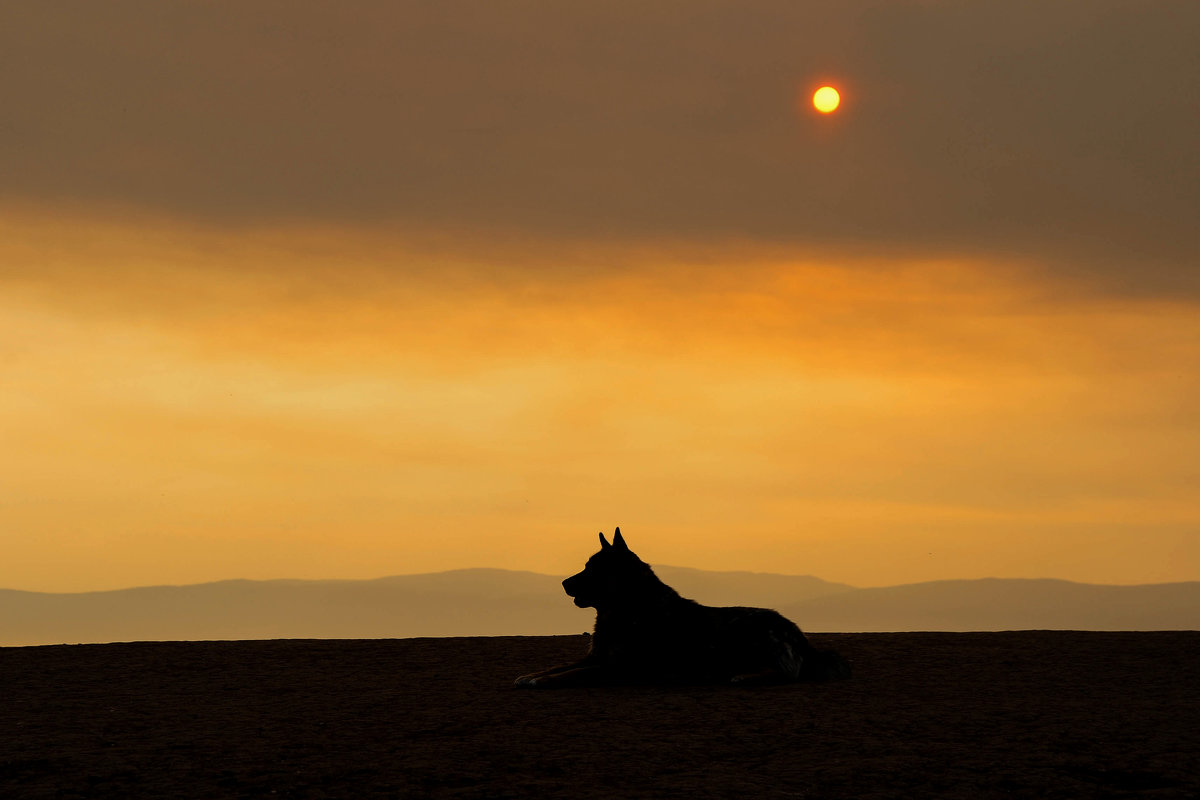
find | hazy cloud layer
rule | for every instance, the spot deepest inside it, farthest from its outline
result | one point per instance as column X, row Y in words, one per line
column 173, row 411
column 1062, row 132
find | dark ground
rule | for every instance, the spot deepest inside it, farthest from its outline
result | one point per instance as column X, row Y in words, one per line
column 1026, row 714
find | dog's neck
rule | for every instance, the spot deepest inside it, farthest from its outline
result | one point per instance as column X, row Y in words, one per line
column 649, row 595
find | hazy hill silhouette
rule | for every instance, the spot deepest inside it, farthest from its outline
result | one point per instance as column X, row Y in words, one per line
column 490, row 602
column 993, row 604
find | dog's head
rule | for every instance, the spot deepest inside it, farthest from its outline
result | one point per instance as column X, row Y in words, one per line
column 610, row 577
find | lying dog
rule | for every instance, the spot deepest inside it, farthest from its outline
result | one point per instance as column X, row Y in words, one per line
column 646, row 632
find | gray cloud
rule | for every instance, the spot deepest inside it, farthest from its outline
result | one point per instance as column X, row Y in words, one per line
column 1065, row 132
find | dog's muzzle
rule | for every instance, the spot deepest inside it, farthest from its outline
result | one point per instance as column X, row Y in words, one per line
column 571, row 587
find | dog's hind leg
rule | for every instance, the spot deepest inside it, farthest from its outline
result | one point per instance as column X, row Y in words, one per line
column 825, row 665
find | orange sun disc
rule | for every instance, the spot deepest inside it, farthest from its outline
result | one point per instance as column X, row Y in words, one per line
column 826, row 99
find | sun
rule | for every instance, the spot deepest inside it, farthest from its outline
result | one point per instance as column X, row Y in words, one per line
column 826, row 99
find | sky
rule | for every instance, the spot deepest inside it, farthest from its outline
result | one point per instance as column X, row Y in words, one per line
column 310, row 290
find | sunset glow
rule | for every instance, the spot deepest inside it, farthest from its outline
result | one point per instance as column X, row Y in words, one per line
column 407, row 290
column 834, row 402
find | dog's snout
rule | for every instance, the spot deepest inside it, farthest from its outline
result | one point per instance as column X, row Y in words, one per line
column 573, row 584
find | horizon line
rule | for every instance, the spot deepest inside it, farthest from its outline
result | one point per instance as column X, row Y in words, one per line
column 389, row 576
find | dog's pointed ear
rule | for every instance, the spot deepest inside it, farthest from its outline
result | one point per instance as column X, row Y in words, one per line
column 619, row 540
column 604, row 545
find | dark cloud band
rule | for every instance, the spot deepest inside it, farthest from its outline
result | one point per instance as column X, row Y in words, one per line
column 1064, row 133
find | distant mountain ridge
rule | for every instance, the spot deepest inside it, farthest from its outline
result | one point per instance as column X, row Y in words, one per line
column 490, row 602
column 1006, row 604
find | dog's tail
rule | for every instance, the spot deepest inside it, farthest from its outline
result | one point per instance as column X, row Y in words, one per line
column 824, row 665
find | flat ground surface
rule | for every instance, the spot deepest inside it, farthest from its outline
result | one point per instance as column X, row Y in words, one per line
column 1025, row 714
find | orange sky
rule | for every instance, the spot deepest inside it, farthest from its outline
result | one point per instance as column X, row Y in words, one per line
column 281, row 297
column 179, row 409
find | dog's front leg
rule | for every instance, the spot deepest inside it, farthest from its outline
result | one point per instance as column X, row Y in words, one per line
column 581, row 674
column 532, row 678
column 537, row 678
